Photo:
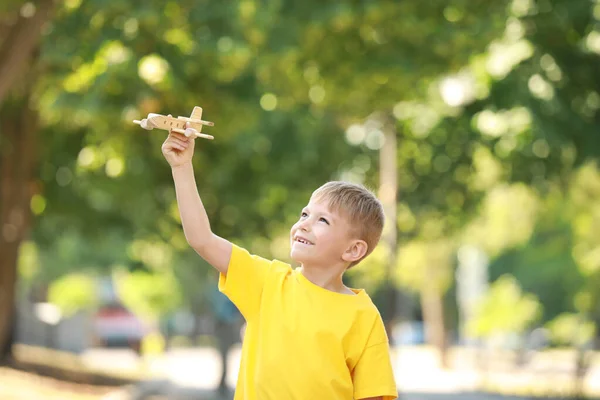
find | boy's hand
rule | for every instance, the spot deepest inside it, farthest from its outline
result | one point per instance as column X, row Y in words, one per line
column 178, row 149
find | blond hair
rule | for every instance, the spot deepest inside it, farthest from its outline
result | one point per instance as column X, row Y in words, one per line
column 359, row 206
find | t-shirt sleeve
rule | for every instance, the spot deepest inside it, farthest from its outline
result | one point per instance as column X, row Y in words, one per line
column 244, row 282
column 373, row 374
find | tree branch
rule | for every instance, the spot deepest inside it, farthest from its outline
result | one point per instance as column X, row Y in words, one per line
column 20, row 43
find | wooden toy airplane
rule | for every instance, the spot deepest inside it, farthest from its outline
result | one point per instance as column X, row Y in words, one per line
column 178, row 124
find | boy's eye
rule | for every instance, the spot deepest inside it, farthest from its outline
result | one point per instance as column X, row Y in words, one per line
column 304, row 215
column 324, row 220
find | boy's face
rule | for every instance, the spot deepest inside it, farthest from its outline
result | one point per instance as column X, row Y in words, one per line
column 320, row 237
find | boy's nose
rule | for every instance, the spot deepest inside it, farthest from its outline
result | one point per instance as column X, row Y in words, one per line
column 304, row 226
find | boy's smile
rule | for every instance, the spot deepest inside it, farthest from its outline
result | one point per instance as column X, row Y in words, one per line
column 303, row 240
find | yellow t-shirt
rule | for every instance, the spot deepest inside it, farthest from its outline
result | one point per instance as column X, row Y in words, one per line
column 303, row 342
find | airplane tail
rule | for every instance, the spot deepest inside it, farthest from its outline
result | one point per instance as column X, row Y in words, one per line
column 196, row 113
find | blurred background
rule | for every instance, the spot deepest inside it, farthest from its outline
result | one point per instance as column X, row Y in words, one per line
column 477, row 123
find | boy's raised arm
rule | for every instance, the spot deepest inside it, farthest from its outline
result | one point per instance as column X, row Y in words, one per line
column 179, row 150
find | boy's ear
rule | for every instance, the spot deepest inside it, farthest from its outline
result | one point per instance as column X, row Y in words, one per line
column 356, row 251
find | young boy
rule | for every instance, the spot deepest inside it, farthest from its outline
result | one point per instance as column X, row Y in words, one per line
column 308, row 336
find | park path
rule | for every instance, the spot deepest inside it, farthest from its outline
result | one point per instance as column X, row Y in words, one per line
column 197, row 370
column 193, row 373
column 163, row 390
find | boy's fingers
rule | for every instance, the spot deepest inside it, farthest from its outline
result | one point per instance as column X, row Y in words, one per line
column 170, row 144
column 177, row 135
column 176, row 144
column 179, row 141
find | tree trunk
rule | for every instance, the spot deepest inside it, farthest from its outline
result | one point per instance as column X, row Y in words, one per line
column 432, row 305
column 18, row 125
column 20, row 41
column 582, row 364
column 388, row 194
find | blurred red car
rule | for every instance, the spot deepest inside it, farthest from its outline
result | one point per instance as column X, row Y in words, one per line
column 115, row 326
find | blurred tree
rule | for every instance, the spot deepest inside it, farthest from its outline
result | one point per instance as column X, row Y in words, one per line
column 529, row 104
column 505, row 310
column 72, row 292
column 544, row 264
column 20, row 30
column 584, row 196
column 426, row 267
column 261, row 73
column 149, row 295
column 504, row 315
column 526, row 110
column 570, row 329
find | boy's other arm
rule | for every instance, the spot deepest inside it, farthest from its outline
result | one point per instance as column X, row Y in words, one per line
column 178, row 150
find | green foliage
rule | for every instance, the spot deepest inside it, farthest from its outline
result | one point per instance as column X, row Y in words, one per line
column 281, row 100
column 10, row 7
column 28, row 262
column 585, row 194
column 149, row 295
column 557, row 263
column 426, row 265
column 505, row 309
column 531, row 118
column 495, row 104
column 546, row 66
column 571, row 329
column 544, row 265
column 503, row 208
column 72, row 293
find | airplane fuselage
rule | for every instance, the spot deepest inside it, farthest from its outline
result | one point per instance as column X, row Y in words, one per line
column 166, row 123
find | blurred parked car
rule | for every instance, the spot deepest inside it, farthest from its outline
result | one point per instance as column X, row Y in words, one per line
column 116, row 327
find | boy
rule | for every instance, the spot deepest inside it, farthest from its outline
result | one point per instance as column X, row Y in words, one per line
column 308, row 336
